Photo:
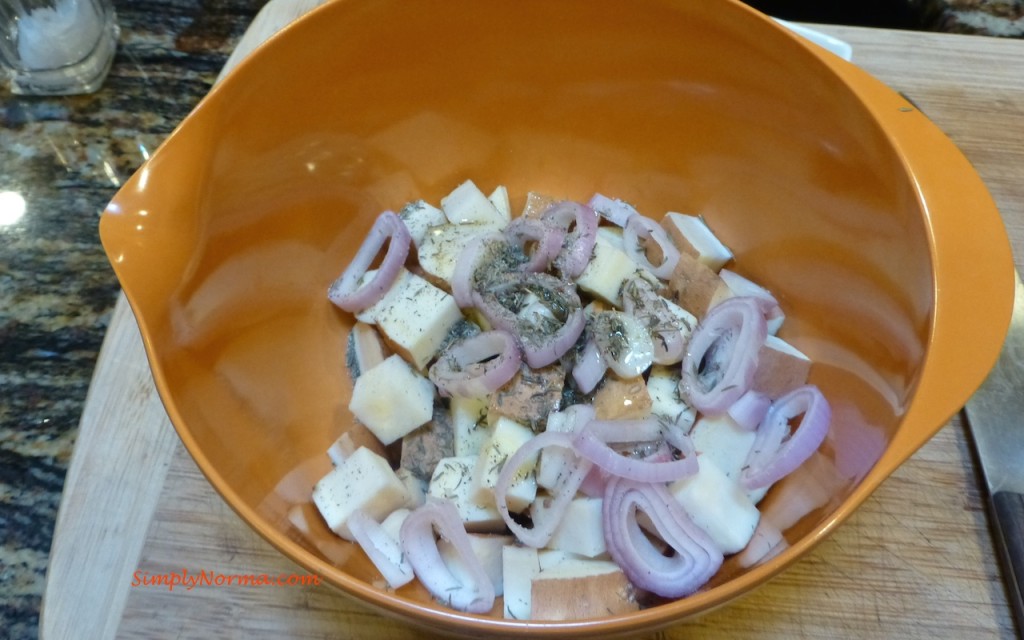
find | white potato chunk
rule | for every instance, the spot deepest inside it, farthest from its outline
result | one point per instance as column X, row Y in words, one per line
column 441, row 247
column 415, row 317
column 737, row 285
column 609, row 267
column 663, row 387
column 392, row 399
column 726, row 444
column 499, row 198
column 419, row 216
column 781, row 368
column 581, row 530
column 467, row 204
column 718, row 505
column 692, row 235
column 506, row 438
column 365, row 481
column 519, row 565
column 453, row 479
column 469, row 422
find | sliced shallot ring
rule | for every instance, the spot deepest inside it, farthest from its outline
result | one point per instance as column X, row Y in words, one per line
column 640, row 228
column 347, row 292
column 643, row 302
column 592, row 442
column 625, row 344
column 547, row 520
column 537, row 352
column 776, row 452
column 696, row 558
column 750, row 409
column 466, row 265
column 547, row 239
column 476, row 366
column 579, row 243
column 420, row 546
column 731, row 334
column 384, row 551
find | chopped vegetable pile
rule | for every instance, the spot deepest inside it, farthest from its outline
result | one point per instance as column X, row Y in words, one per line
column 588, row 404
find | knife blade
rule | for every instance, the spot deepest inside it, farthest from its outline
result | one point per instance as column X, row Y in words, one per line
column 995, row 414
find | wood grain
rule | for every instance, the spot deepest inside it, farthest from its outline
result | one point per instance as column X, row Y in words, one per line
column 916, row 561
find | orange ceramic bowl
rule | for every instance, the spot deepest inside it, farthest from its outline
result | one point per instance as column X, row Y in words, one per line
column 879, row 239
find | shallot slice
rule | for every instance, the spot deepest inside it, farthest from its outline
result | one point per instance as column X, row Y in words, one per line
column 592, row 442
column 722, row 355
column 625, row 345
column 466, row 265
column 579, row 243
column 749, row 410
column 347, row 292
column 420, row 547
column 669, row 324
column 546, row 237
column 589, row 368
column 546, row 520
column 778, row 450
column 641, row 229
column 476, row 366
column 384, row 551
column 505, row 299
column 695, row 558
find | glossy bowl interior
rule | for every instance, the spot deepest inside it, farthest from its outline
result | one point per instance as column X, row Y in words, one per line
column 879, row 239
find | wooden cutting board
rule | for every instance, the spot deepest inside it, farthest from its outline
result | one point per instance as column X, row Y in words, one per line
column 916, row 561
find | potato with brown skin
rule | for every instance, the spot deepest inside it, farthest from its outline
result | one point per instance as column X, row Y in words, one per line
column 694, row 286
column 581, row 597
column 622, row 399
column 781, row 368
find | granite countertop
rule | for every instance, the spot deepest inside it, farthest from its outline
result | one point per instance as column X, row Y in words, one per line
column 66, row 157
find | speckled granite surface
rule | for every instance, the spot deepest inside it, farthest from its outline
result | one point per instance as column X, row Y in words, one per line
column 66, row 157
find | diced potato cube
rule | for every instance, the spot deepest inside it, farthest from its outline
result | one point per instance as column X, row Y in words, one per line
column 453, row 479
column 781, row 368
column 718, row 505
column 499, row 198
column 692, row 236
column 467, row 204
column 737, row 285
column 442, row 245
column 694, row 286
column 365, row 481
column 392, row 399
column 519, row 565
column 505, row 440
column 622, row 399
column 609, row 267
column 419, row 216
column 581, row 531
column 415, row 318
column 469, row 422
column 663, row 385
column 576, row 591
column 726, row 444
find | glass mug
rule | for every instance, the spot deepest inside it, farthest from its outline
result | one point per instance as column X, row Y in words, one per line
column 57, row 47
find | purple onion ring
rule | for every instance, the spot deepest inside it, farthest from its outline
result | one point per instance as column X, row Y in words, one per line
column 346, row 291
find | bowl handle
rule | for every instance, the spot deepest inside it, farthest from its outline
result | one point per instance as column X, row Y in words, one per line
column 972, row 258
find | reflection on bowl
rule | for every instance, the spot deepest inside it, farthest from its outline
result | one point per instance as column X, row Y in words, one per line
column 831, row 190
